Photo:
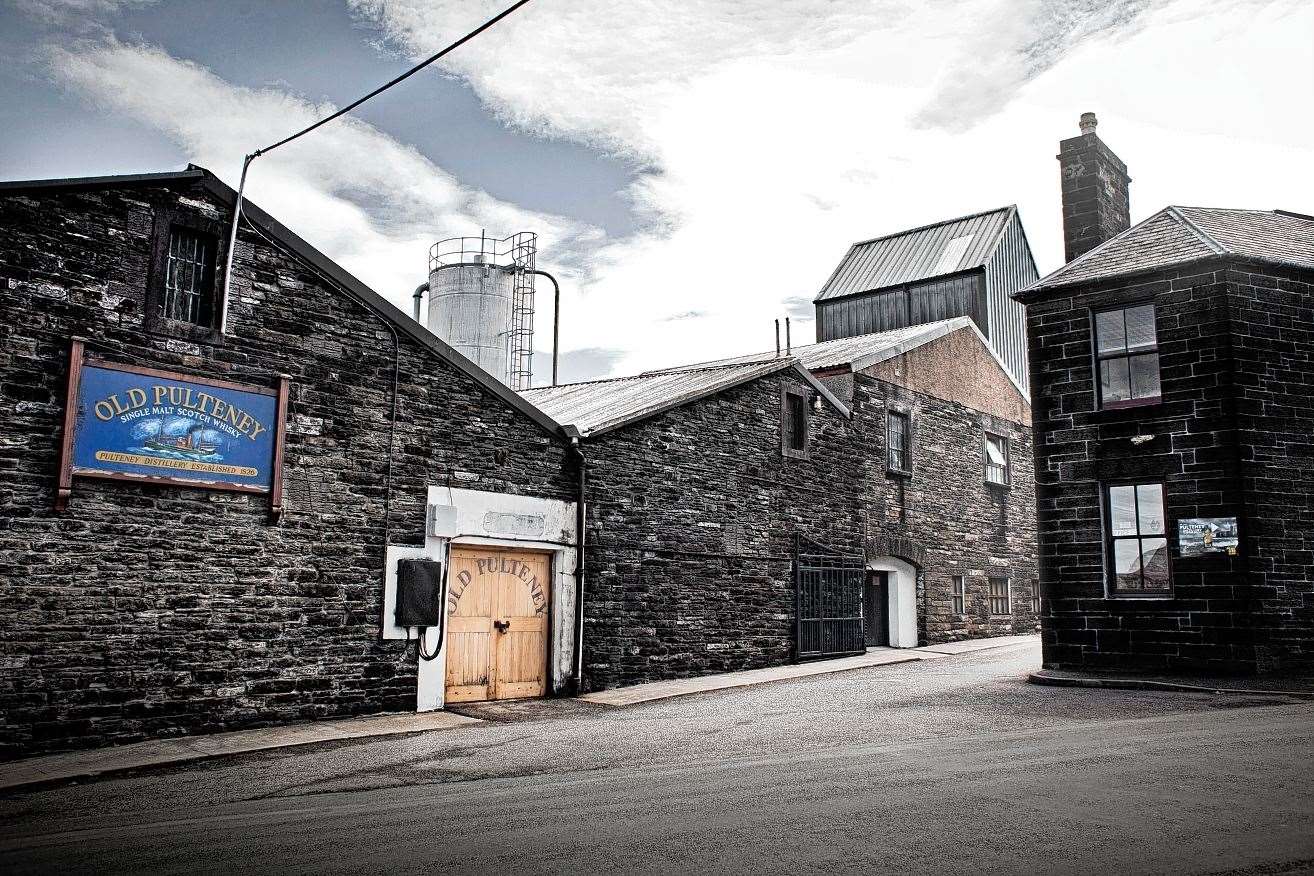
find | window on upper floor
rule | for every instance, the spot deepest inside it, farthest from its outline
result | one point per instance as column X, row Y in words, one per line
column 1136, row 540
column 996, row 459
column 188, row 294
column 898, row 442
column 794, row 415
column 1127, row 356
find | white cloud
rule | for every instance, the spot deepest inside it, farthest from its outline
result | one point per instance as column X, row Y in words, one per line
column 373, row 204
column 779, row 133
column 66, row 12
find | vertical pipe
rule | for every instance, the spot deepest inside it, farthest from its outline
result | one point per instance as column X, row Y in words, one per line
column 788, row 347
column 232, row 244
column 556, row 320
column 577, row 680
column 419, row 293
column 777, row 339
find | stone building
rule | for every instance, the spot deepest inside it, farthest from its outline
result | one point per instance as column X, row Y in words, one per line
column 1173, row 398
column 153, row 606
column 908, row 451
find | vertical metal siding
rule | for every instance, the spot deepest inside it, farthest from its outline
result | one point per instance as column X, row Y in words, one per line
column 1010, row 268
column 915, row 304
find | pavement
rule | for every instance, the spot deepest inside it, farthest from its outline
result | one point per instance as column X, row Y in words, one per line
column 948, row 765
column 66, row 766
column 1301, row 687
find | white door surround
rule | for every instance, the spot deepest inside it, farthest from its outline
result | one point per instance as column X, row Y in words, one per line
column 902, row 577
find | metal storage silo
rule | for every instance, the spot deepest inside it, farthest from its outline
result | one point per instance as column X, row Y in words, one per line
column 481, row 301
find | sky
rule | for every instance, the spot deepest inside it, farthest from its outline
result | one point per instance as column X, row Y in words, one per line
column 694, row 170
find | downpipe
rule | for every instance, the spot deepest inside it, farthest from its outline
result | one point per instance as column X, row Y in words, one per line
column 577, row 675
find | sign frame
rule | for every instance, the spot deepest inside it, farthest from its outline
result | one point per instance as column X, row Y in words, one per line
column 67, row 470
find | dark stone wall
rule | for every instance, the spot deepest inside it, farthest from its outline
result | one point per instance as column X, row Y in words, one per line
column 149, row 611
column 1230, row 438
column 693, row 514
column 1096, row 194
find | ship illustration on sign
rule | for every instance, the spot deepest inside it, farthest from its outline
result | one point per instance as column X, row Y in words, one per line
column 179, row 438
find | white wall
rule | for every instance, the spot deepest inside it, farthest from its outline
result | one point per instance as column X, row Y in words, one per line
column 903, row 599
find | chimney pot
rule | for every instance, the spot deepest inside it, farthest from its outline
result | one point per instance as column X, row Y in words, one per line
column 1087, row 123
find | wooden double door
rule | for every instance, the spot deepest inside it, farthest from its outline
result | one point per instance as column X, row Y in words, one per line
column 498, row 605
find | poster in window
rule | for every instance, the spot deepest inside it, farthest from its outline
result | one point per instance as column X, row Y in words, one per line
column 1200, row 536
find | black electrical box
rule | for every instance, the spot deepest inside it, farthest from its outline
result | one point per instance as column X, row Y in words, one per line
column 419, row 593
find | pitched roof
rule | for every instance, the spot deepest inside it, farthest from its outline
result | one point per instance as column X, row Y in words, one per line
column 855, row 353
column 330, row 269
column 1179, row 235
column 919, row 253
column 598, row 406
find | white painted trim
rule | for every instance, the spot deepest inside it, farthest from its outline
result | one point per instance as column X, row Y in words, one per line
column 902, row 577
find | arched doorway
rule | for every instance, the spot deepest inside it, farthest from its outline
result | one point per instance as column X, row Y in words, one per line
column 900, row 579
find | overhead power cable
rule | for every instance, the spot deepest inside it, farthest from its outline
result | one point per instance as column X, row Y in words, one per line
column 246, row 162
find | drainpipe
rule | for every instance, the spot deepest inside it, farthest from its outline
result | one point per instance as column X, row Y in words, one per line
column 418, row 294
column 577, row 676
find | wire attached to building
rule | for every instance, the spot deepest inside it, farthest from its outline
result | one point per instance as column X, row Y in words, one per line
column 246, row 162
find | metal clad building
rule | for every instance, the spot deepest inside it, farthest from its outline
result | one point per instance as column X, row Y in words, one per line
column 962, row 267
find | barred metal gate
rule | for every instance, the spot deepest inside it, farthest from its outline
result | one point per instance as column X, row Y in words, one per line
column 827, row 601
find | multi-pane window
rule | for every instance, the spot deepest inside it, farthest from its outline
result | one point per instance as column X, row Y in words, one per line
column 996, row 459
column 1000, row 600
column 1127, row 356
column 1136, row 539
column 189, row 278
column 898, row 453
column 794, row 424
column 960, row 594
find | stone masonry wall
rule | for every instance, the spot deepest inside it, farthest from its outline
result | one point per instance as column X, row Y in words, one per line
column 148, row 611
column 1234, row 352
column 1096, row 194
column 692, row 516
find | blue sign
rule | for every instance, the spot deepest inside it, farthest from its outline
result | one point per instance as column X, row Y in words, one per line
column 142, row 423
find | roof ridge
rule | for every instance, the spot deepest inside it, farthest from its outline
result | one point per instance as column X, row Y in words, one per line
column 714, row 365
column 1103, row 246
column 933, row 225
column 1205, row 237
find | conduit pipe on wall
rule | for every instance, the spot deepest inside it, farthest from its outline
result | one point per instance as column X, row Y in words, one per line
column 556, row 319
column 577, row 675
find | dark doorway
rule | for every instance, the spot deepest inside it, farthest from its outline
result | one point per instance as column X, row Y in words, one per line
column 876, row 609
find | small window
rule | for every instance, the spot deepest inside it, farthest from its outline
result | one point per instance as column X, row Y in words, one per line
column 1127, row 357
column 898, row 453
column 960, row 595
column 1001, row 601
column 1136, row 540
column 794, row 424
column 996, row 459
column 1035, row 598
column 189, row 278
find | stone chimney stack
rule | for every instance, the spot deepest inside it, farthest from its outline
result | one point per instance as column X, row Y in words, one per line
column 1096, row 199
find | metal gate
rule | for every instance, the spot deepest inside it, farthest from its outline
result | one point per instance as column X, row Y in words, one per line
column 827, row 601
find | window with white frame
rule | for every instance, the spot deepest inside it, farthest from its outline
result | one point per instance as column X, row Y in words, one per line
column 996, row 459
column 898, row 452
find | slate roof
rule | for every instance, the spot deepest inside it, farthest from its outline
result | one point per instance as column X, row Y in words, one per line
column 918, row 253
column 334, row 272
column 597, row 406
column 1179, row 235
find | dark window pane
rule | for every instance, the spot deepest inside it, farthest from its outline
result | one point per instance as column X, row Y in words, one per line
column 796, row 422
column 1115, row 382
column 1122, row 510
column 1140, row 327
column 1154, row 563
column 1127, row 564
column 1145, row 376
column 1109, row 334
column 1149, row 504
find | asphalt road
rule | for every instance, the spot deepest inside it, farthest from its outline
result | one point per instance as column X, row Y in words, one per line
column 948, row 766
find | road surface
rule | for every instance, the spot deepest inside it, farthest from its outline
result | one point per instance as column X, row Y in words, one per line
column 947, row 766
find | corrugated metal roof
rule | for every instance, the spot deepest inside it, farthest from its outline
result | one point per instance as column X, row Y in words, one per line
column 1176, row 235
column 858, row 352
column 599, row 405
column 918, row 253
